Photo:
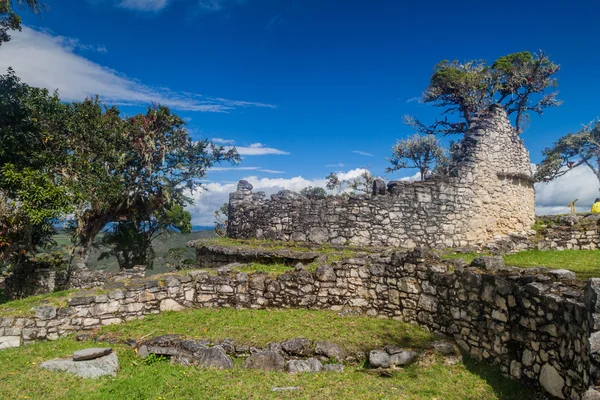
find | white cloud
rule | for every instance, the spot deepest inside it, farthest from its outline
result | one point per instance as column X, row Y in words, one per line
column 46, row 60
column 362, row 153
column 553, row 197
column 272, row 171
column 222, row 141
column 258, row 149
column 144, row 5
column 207, row 201
column 338, row 165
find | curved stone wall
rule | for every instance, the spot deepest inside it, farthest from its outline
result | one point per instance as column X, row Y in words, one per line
column 535, row 324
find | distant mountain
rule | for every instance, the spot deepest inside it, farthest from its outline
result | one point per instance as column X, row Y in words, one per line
column 196, row 228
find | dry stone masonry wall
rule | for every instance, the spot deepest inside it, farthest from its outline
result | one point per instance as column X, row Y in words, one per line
column 492, row 193
column 535, row 324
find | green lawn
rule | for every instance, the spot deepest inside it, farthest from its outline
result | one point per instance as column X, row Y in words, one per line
column 429, row 378
column 585, row 263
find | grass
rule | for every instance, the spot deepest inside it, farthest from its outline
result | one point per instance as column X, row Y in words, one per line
column 429, row 378
column 585, row 263
column 271, row 269
column 23, row 307
column 259, row 327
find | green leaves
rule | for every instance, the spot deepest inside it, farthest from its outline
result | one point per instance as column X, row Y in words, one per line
column 571, row 151
column 417, row 151
column 518, row 82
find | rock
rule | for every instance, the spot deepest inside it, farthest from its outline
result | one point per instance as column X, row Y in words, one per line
column 308, row 365
column 170, row 305
column 591, row 394
column 379, row 359
column 551, row 381
column 318, row 235
column 563, row 274
column 329, row 350
column 107, row 365
column 194, row 346
column 488, row 263
column 7, row 342
column 266, row 360
column 379, row 187
column 92, row 353
column 333, row 368
column 445, row 348
column 403, row 358
column 325, row 273
column 285, row 388
column 592, row 294
column 298, row 347
column 213, row 357
column 244, row 185
column 45, row 312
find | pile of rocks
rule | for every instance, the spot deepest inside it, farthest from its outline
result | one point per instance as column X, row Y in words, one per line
column 295, row 355
column 87, row 363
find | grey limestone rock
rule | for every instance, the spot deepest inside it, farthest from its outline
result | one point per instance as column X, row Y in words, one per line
column 329, row 350
column 333, row 368
column 103, row 366
column 308, row 365
column 298, row 347
column 92, row 353
column 488, row 263
column 266, row 360
column 379, row 359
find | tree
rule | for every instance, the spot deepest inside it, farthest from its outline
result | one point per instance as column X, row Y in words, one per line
column 178, row 255
column 571, row 151
column 86, row 160
column 361, row 184
column 313, row 193
column 10, row 20
column 32, row 191
column 221, row 216
column 151, row 165
column 417, row 151
column 130, row 241
column 518, row 82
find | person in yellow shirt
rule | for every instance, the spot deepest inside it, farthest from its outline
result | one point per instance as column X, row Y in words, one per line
column 596, row 206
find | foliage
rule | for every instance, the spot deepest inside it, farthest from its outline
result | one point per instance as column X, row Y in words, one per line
column 518, row 82
column 130, row 241
column 10, row 20
column 417, row 151
column 85, row 159
column 32, row 194
column 571, row 151
column 155, row 358
column 313, row 193
column 221, row 216
column 178, row 255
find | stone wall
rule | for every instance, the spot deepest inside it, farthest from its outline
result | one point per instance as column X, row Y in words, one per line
column 491, row 193
column 569, row 232
column 535, row 324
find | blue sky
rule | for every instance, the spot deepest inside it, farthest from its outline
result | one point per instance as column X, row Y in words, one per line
column 311, row 86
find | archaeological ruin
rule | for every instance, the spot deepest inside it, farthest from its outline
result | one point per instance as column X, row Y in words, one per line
column 491, row 193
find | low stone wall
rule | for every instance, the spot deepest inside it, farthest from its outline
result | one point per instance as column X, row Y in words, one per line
column 214, row 256
column 569, row 232
column 533, row 323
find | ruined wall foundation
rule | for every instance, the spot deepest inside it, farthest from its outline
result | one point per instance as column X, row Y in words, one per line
column 491, row 193
column 539, row 326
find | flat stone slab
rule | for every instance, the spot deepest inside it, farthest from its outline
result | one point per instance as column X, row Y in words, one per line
column 107, row 365
column 90, row 354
